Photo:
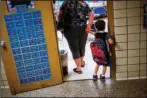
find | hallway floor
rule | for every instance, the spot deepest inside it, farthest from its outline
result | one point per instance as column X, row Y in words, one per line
column 88, row 88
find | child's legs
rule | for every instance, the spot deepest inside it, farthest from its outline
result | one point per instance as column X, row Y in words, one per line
column 104, row 70
column 96, row 69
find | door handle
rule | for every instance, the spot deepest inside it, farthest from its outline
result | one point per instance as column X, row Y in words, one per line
column 2, row 44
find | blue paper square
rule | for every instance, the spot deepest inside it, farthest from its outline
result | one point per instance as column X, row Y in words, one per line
column 29, row 22
column 46, row 76
column 38, row 78
column 41, row 41
column 44, row 59
column 40, row 34
column 35, row 54
column 19, row 64
column 22, row 37
column 43, row 53
column 16, row 51
column 33, row 42
column 30, row 29
column 21, row 30
column 23, row 81
column 9, row 18
column 28, row 63
column 42, row 47
column 46, row 71
column 36, row 14
column 45, row 65
column 34, row 48
column 31, row 35
column 22, row 75
column 30, row 74
column 15, row 45
column 18, row 57
column 24, row 43
column 38, row 28
column 20, row 69
column 19, row 23
column 27, row 56
column 27, row 15
column 31, row 79
column 21, row 8
column 37, row 21
column 12, row 32
column 36, row 61
column 38, row 72
column 29, row 68
column 10, row 25
column 13, row 38
column 37, row 66
column 26, row 50
column 18, row 16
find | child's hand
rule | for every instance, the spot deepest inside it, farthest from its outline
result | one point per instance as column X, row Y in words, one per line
column 110, row 53
column 110, row 40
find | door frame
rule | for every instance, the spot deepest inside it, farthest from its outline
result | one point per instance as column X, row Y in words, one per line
column 110, row 14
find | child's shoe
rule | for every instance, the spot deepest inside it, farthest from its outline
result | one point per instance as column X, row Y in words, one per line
column 102, row 77
column 94, row 77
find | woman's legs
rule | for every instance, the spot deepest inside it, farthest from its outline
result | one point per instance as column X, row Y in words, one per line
column 81, row 40
column 73, row 38
column 82, row 43
column 78, row 63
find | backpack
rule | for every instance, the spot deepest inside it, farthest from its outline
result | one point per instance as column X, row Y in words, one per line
column 61, row 23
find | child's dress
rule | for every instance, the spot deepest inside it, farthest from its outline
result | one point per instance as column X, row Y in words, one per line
column 100, row 49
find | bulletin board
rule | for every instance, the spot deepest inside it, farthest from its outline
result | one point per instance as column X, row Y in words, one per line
column 28, row 45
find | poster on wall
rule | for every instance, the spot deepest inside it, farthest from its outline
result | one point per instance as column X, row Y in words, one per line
column 145, row 17
column 11, row 4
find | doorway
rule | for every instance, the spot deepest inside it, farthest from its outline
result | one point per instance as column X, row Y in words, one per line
column 89, row 63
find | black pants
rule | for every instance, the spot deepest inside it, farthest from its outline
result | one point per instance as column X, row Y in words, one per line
column 76, row 38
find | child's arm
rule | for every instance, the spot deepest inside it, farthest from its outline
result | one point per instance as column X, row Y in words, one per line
column 110, row 41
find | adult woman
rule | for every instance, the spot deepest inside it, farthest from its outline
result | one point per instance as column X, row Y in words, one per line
column 75, row 17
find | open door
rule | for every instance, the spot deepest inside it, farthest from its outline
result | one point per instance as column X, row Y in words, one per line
column 29, row 51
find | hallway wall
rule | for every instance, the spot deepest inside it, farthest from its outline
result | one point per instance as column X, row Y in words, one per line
column 131, row 40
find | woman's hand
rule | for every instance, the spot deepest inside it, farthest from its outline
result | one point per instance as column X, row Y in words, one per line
column 88, row 29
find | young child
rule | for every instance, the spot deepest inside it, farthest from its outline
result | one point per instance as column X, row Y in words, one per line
column 100, row 48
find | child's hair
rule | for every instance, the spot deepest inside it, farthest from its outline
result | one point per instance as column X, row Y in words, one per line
column 100, row 25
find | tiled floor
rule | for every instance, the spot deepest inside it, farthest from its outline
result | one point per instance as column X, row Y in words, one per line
column 88, row 88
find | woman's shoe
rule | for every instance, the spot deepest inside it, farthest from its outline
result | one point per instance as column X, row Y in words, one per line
column 83, row 64
column 94, row 77
column 75, row 70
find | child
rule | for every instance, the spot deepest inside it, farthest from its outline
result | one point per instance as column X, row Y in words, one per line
column 99, row 48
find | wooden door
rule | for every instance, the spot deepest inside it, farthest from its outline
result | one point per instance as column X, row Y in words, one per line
column 30, row 55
